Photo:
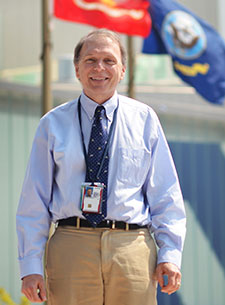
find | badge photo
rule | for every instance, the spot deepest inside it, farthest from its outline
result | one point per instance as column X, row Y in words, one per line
column 91, row 197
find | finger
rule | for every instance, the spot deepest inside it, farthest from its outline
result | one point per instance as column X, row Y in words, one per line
column 177, row 287
column 26, row 291
column 159, row 276
column 178, row 281
column 31, row 292
column 27, row 295
column 171, row 286
column 35, row 296
column 178, row 278
column 31, row 296
column 42, row 291
column 169, row 290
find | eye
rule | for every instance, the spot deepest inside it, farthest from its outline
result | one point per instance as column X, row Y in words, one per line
column 90, row 60
column 110, row 61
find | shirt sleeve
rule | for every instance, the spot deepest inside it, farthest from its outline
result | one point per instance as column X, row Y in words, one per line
column 165, row 201
column 33, row 218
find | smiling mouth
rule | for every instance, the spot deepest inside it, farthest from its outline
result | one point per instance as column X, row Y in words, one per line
column 99, row 79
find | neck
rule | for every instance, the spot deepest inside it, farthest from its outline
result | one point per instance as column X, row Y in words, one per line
column 98, row 99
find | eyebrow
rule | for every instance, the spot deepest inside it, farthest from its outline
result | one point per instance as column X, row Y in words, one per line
column 109, row 56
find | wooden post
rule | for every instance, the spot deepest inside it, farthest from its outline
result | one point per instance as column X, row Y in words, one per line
column 131, row 65
column 46, row 63
column 46, row 59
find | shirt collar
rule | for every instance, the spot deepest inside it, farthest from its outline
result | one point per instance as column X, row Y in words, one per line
column 89, row 106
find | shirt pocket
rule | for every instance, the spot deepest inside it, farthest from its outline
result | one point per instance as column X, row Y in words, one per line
column 133, row 166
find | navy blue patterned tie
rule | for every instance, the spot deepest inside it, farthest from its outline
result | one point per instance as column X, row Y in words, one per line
column 96, row 148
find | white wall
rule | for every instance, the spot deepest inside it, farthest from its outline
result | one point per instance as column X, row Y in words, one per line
column 206, row 9
column 20, row 30
column 221, row 17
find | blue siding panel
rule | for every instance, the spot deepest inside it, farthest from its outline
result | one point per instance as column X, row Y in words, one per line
column 201, row 169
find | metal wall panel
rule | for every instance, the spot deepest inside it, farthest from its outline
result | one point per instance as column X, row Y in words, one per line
column 18, row 120
column 201, row 169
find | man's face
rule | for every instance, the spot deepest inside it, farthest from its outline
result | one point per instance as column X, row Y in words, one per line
column 100, row 68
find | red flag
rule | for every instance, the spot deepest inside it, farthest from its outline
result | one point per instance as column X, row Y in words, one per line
column 125, row 16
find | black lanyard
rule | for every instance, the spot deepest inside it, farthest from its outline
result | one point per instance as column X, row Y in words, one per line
column 107, row 145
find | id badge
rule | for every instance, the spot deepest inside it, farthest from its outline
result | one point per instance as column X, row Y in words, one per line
column 91, row 197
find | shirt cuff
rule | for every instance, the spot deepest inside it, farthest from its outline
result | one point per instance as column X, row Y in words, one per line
column 173, row 256
column 31, row 266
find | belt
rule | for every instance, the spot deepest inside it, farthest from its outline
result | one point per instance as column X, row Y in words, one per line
column 110, row 224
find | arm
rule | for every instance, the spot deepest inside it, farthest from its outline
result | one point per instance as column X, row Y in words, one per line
column 33, row 218
column 167, row 211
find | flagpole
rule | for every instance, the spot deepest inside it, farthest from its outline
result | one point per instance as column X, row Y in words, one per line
column 131, row 61
column 46, row 59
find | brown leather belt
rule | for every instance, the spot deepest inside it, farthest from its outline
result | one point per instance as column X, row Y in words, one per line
column 110, row 224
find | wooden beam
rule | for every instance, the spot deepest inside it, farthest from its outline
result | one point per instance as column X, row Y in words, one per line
column 131, row 66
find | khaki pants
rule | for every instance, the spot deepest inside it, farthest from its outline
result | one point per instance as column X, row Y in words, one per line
column 88, row 266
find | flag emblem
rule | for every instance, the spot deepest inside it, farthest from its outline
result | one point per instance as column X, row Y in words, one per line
column 183, row 36
column 109, row 7
column 124, row 16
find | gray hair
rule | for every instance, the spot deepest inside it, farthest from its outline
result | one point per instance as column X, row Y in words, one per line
column 103, row 32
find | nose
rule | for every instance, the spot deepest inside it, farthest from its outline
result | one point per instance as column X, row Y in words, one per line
column 99, row 65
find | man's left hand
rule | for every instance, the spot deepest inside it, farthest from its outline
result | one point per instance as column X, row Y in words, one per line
column 174, row 277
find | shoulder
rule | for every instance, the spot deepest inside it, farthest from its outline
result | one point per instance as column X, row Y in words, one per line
column 61, row 114
column 57, row 120
column 64, row 110
column 131, row 107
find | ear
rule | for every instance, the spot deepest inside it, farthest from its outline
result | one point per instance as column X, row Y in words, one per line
column 122, row 72
column 77, row 71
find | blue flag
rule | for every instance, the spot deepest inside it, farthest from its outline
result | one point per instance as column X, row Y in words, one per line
column 197, row 50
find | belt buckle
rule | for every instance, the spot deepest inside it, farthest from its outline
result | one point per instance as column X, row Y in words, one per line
column 110, row 224
column 113, row 225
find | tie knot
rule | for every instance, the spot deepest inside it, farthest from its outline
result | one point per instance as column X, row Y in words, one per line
column 100, row 110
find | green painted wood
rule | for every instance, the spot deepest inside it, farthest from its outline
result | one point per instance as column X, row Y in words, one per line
column 5, row 178
column 18, row 122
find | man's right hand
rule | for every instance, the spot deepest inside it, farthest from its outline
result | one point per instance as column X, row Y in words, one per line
column 33, row 287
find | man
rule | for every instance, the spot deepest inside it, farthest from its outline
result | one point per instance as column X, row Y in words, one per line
column 101, row 253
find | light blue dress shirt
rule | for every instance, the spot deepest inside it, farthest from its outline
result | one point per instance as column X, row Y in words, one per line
column 143, row 186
